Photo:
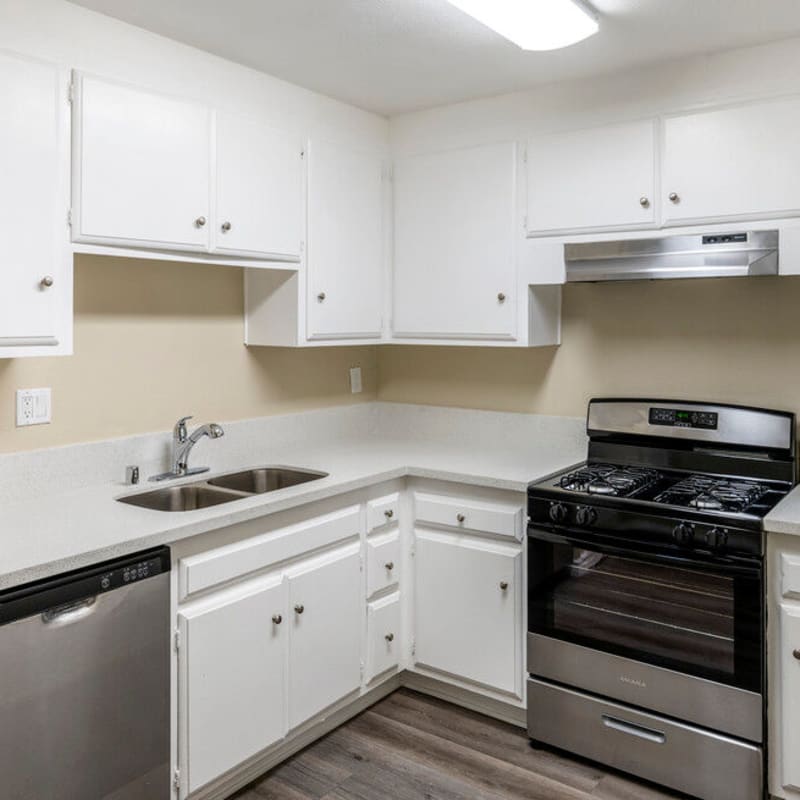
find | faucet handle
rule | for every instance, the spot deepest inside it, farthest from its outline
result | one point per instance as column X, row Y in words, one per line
column 180, row 428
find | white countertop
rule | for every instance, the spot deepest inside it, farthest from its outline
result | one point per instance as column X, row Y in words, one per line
column 785, row 517
column 45, row 531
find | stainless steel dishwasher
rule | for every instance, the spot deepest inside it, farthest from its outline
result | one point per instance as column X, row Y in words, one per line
column 84, row 684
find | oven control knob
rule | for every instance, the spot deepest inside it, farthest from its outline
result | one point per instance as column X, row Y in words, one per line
column 683, row 533
column 586, row 515
column 558, row 512
column 717, row 538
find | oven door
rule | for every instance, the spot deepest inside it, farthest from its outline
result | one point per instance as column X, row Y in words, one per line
column 672, row 633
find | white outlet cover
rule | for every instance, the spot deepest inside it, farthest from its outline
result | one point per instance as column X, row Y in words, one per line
column 355, row 380
column 34, row 407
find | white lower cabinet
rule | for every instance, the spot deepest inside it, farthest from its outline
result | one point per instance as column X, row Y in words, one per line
column 232, row 680
column 468, row 613
column 384, row 638
column 790, row 693
column 326, row 611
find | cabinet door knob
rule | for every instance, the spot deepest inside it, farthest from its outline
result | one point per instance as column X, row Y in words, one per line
column 299, row 608
column 389, row 565
column 46, row 282
column 796, row 654
column 226, row 226
column 461, row 518
column 644, row 202
column 321, row 297
column 388, row 513
column 501, row 297
column 674, row 197
column 504, row 585
column 200, row 222
column 389, row 637
column 277, row 619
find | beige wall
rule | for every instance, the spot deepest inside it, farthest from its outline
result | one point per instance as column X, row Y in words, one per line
column 731, row 340
column 155, row 340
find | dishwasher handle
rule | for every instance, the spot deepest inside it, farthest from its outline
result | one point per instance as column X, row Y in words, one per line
column 69, row 612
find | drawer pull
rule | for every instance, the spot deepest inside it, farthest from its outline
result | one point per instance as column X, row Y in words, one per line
column 389, row 513
column 299, row 608
column 461, row 518
column 634, row 730
column 389, row 637
column 796, row 654
column 277, row 619
column 504, row 585
column 390, row 566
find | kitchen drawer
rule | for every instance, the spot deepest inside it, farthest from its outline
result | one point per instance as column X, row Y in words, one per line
column 383, row 561
column 790, row 576
column 383, row 511
column 647, row 745
column 205, row 570
column 383, row 635
column 501, row 519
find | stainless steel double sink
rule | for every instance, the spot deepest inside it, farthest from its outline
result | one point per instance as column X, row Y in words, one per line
column 224, row 489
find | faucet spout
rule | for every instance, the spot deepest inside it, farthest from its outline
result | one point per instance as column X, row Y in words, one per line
column 182, row 444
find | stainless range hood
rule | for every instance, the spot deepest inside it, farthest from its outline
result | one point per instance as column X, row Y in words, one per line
column 717, row 255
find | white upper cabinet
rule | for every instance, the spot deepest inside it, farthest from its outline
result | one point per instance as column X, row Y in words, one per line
column 587, row 179
column 739, row 162
column 260, row 190
column 36, row 291
column 141, row 167
column 345, row 243
column 454, row 249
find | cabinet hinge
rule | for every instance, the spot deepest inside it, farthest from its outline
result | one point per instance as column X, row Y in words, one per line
column 70, row 92
column 302, row 153
column 524, row 223
column 177, row 640
column 176, row 778
column 69, row 217
column 362, row 670
column 413, row 649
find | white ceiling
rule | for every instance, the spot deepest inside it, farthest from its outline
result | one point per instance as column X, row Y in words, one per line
column 392, row 56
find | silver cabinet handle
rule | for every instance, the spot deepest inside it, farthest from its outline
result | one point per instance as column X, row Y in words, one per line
column 461, row 518
column 674, row 197
column 299, row 608
column 46, row 282
column 388, row 513
column 796, row 654
column 504, row 585
column 226, row 226
column 634, row 730
column 501, row 297
column 277, row 619
column 200, row 222
column 389, row 565
column 321, row 297
column 389, row 637
column 644, row 202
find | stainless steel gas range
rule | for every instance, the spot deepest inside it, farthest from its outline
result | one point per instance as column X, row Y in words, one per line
column 646, row 593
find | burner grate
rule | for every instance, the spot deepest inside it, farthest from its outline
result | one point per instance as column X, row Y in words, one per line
column 609, row 480
column 706, row 493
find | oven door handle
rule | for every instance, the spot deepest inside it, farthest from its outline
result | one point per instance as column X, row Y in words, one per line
column 657, row 737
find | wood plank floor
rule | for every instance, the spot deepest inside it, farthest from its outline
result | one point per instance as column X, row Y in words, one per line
column 413, row 747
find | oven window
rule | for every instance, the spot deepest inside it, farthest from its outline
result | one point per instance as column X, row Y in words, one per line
column 695, row 620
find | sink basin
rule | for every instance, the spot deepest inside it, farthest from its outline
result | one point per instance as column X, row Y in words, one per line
column 189, row 497
column 266, row 479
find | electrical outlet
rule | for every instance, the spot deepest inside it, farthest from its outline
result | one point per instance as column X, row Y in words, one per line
column 355, row 380
column 33, row 407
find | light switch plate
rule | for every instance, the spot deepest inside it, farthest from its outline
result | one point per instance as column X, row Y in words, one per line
column 355, row 380
column 34, row 407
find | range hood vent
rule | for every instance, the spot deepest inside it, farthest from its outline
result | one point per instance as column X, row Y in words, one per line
column 717, row 255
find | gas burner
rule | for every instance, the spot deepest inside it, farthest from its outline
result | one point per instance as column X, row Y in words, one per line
column 707, row 493
column 609, row 480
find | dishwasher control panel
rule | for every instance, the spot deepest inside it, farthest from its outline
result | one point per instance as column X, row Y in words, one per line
column 130, row 573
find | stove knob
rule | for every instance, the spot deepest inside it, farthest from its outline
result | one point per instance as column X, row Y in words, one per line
column 683, row 534
column 558, row 512
column 717, row 538
column 586, row 516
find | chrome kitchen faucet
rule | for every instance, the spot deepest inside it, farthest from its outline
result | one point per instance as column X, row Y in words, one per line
column 182, row 444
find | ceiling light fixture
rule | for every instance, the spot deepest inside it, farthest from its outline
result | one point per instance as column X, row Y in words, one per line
column 534, row 24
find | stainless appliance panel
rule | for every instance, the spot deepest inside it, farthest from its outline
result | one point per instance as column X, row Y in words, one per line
column 697, row 700
column 682, row 757
column 84, row 702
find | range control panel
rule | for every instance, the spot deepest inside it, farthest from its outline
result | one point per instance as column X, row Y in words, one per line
column 682, row 418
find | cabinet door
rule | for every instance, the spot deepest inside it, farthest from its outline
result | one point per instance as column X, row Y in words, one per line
column 32, row 207
column 454, row 255
column 599, row 178
column 345, row 243
column 232, row 684
column 383, row 635
column 469, row 609
column 141, row 168
column 259, row 190
column 790, row 695
column 326, row 607
column 740, row 162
